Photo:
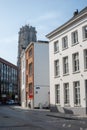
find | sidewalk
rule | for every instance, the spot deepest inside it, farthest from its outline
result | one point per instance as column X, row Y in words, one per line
column 54, row 114
column 66, row 116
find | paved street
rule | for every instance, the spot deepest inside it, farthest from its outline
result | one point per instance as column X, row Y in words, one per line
column 16, row 118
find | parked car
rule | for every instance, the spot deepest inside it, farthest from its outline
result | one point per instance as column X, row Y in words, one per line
column 10, row 102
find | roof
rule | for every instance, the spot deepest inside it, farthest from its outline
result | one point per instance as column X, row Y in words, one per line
column 8, row 63
column 76, row 16
column 37, row 42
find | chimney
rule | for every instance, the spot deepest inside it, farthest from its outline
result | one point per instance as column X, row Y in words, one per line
column 75, row 12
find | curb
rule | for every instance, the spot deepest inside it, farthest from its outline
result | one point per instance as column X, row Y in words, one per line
column 67, row 117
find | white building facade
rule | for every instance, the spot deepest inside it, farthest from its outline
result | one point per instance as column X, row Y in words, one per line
column 23, row 80
column 68, row 65
column 35, row 75
column 41, row 75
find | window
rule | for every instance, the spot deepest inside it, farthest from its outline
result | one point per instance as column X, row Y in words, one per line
column 85, row 32
column 65, row 65
column 26, row 78
column 56, row 46
column 57, row 93
column 77, row 93
column 75, row 62
column 30, row 90
column 56, row 67
column 30, row 69
column 26, row 64
column 85, row 59
column 2, row 88
column 66, row 93
column 30, row 52
column 74, row 38
column 65, row 42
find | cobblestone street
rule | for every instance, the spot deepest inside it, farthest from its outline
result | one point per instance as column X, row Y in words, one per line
column 17, row 118
column 11, row 123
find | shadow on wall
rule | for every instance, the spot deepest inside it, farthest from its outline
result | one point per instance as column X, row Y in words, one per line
column 68, row 111
column 55, row 108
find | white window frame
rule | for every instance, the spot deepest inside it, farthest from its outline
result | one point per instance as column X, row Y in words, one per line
column 65, row 42
column 56, row 46
column 76, row 62
column 85, row 59
column 57, row 94
column 65, row 65
column 77, row 100
column 75, row 38
column 85, row 32
column 66, row 93
column 56, row 68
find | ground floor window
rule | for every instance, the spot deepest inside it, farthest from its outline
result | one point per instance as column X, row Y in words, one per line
column 57, row 93
column 66, row 93
column 76, row 93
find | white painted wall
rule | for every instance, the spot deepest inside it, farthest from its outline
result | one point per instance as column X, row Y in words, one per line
column 81, row 76
column 41, row 96
column 41, row 73
column 23, row 79
column 41, row 64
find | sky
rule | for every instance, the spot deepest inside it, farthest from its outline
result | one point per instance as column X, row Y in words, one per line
column 44, row 15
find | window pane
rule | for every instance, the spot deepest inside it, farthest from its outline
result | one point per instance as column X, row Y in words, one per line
column 84, row 32
column 85, row 59
column 56, row 46
column 57, row 93
column 65, row 65
column 30, row 52
column 74, row 37
column 75, row 62
column 30, row 69
column 77, row 92
column 65, row 42
column 56, row 67
column 66, row 93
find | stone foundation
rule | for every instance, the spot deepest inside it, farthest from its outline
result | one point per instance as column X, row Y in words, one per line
column 69, row 110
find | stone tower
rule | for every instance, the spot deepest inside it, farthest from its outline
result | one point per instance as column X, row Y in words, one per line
column 27, row 34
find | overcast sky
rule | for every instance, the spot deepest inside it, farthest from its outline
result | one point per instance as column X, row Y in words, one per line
column 44, row 15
